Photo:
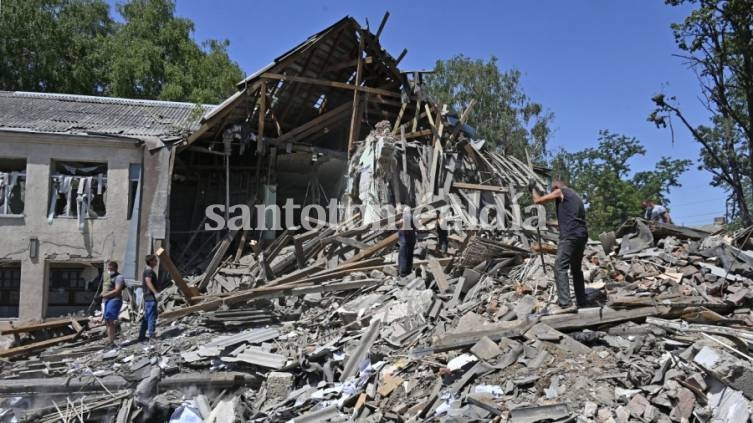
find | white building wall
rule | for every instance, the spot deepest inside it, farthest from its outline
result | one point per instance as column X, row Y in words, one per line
column 103, row 238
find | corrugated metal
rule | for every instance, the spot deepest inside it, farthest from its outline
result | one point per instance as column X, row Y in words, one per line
column 254, row 336
column 259, row 358
column 78, row 114
column 367, row 340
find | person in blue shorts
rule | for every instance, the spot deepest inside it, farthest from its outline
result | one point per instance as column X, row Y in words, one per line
column 112, row 289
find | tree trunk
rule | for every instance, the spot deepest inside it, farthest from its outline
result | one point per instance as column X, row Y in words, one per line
column 739, row 193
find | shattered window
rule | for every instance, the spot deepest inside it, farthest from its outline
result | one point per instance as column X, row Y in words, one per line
column 134, row 174
column 78, row 189
column 72, row 287
column 10, row 286
column 12, row 186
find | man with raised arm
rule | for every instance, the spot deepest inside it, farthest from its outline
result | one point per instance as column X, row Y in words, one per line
column 571, row 217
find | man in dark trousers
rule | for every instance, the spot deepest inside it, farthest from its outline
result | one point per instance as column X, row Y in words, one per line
column 442, row 233
column 571, row 217
column 407, row 242
column 150, row 299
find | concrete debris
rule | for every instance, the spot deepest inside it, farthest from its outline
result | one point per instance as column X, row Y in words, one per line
column 486, row 349
column 317, row 325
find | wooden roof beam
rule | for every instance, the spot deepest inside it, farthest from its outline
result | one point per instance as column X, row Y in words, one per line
column 333, row 84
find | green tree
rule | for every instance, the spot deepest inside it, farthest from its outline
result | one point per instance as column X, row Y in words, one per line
column 153, row 56
column 602, row 175
column 74, row 46
column 54, row 45
column 716, row 39
column 503, row 114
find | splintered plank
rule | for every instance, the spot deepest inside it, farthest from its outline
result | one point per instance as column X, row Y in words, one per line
column 333, row 84
column 355, row 120
column 477, row 187
column 166, row 261
column 26, row 349
column 219, row 255
column 31, row 327
column 436, row 269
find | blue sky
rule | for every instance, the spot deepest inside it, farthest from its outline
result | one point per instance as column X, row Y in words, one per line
column 594, row 63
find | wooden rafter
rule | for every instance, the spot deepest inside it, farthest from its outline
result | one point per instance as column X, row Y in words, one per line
column 333, row 84
column 355, row 121
column 314, row 124
column 328, row 58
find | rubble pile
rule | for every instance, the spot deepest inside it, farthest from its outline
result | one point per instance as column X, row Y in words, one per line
column 318, row 326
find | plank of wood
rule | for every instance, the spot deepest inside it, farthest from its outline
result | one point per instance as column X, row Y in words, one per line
column 477, row 187
column 299, row 255
column 546, row 248
column 312, row 125
column 355, row 120
column 219, row 255
column 76, row 326
column 271, row 289
column 185, row 290
column 349, row 64
column 596, row 316
column 463, row 118
column 380, row 29
column 389, row 240
column 379, row 246
column 684, row 327
column 436, row 269
column 399, row 119
column 31, row 327
column 436, row 155
column 26, row 349
column 262, row 117
column 418, row 134
column 241, row 246
column 401, row 56
column 350, row 242
column 333, row 84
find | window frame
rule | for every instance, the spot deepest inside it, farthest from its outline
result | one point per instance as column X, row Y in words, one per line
column 55, row 173
column 24, row 175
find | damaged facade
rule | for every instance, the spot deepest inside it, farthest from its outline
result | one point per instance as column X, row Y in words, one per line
column 73, row 171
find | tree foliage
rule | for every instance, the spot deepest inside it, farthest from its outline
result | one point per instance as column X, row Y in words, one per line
column 717, row 42
column 54, row 45
column 74, row 46
column 503, row 114
column 611, row 191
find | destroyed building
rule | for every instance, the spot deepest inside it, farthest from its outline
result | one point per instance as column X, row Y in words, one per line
column 95, row 163
column 83, row 180
column 303, row 325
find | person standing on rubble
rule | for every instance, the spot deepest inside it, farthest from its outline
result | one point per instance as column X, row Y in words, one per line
column 151, row 294
column 406, row 242
column 112, row 287
column 442, row 233
column 655, row 212
column 571, row 217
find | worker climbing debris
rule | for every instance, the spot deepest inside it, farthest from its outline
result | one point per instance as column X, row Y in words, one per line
column 573, row 235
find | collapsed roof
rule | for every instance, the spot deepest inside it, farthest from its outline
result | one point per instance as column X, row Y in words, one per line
column 306, row 95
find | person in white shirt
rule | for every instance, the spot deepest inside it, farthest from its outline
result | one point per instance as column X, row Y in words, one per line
column 655, row 212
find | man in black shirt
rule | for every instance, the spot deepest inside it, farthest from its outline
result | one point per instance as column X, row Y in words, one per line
column 150, row 299
column 571, row 217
